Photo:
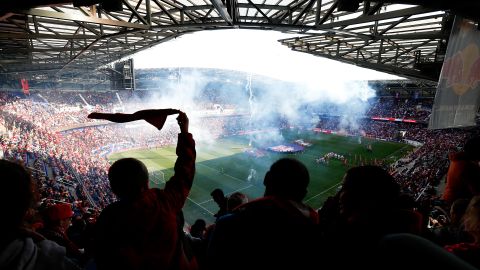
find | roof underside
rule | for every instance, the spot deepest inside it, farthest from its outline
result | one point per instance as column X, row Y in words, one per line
column 53, row 36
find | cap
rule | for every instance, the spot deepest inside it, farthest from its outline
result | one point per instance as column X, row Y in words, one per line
column 59, row 211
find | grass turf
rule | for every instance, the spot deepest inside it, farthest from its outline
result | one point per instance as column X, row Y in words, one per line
column 225, row 165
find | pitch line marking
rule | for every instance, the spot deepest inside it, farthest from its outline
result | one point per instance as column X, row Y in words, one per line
column 249, row 186
column 337, row 184
column 398, row 150
column 233, row 177
column 199, row 205
column 188, row 198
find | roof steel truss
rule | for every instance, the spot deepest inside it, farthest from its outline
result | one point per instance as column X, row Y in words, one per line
column 53, row 35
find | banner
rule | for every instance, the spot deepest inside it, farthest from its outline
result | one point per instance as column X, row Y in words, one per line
column 391, row 119
column 25, row 87
column 458, row 92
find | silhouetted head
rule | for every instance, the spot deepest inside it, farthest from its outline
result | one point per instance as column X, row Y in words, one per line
column 198, row 228
column 236, row 199
column 218, row 195
column 128, row 177
column 471, row 218
column 472, row 148
column 367, row 189
column 16, row 195
column 457, row 210
column 470, row 175
column 287, row 178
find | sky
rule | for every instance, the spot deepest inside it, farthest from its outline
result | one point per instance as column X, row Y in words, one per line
column 254, row 51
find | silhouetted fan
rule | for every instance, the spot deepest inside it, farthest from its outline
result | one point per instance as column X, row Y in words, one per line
column 154, row 117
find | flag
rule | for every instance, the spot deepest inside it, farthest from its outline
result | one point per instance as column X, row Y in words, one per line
column 156, row 118
column 25, row 87
column 458, row 92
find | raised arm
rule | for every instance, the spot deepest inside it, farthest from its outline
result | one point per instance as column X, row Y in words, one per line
column 178, row 187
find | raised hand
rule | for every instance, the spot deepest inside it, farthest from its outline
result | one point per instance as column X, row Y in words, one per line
column 183, row 121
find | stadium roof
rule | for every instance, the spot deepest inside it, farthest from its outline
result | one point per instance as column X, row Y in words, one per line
column 403, row 37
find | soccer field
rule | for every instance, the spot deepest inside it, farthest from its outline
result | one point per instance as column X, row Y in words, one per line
column 227, row 166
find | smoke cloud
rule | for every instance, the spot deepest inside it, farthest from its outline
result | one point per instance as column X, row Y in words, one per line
column 267, row 104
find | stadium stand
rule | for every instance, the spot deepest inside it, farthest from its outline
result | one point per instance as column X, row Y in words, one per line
column 67, row 153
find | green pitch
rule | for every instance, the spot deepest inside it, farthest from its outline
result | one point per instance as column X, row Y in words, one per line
column 225, row 165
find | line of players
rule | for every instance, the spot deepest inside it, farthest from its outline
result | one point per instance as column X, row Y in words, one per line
column 355, row 160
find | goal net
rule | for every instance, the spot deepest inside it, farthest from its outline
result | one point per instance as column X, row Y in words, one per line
column 157, row 177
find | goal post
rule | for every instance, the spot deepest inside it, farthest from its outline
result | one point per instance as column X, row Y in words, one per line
column 157, row 177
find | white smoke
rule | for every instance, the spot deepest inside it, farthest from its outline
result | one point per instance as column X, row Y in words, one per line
column 299, row 103
column 310, row 82
column 182, row 91
column 268, row 102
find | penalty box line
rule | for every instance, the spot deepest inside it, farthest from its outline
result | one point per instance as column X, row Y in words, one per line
column 323, row 192
column 230, row 193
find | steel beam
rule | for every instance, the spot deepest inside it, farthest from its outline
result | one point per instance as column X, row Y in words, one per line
column 45, row 36
column 222, row 10
column 377, row 17
column 76, row 17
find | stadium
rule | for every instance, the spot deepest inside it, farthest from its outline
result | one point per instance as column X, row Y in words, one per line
column 62, row 60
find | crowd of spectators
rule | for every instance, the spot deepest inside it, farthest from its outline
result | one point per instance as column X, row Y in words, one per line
column 38, row 129
column 421, row 170
column 386, row 107
column 67, row 152
column 417, row 109
column 50, row 132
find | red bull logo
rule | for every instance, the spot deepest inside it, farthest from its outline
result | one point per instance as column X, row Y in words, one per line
column 461, row 72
